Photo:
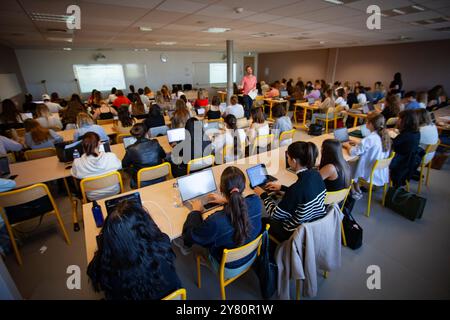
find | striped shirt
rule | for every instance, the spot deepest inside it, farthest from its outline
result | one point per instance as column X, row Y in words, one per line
column 302, row 202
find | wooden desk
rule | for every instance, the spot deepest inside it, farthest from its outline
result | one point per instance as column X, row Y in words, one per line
column 159, row 199
column 272, row 102
column 357, row 116
column 306, row 106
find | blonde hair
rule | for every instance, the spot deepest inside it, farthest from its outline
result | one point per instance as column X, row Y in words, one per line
column 84, row 119
column 42, row 111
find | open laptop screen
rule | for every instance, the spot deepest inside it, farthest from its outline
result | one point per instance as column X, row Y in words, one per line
column 128, row 141
column 341, row 134
column 257, row 175
column 176, row 135
column 196, row 184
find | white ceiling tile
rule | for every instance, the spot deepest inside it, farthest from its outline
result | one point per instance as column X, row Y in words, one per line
column 182, row 6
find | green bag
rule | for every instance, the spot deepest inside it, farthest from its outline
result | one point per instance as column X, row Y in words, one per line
column 405, row 203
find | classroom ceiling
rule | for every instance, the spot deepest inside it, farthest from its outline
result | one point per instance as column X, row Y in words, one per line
column 260, row 26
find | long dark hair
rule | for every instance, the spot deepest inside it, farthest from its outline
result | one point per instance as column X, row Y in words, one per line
column 90, row 143
column 332, row 154
column 127, row 264
column 408, row 121
column 9, row 114
column 304, row 153
column 231, row 123
column 232, row 184
column 124, row 116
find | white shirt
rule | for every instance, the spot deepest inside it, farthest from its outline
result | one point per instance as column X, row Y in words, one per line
column 228, row 139
column 340, row 101
column 362, row 99
column 53, row 107
column 111, row 98
column 237, row 110
column 90, row 166
column 145, row 100
column 422, row 105
column 428, row 135
column 369, row 150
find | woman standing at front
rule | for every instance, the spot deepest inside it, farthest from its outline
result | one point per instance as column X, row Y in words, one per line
column 248, row 84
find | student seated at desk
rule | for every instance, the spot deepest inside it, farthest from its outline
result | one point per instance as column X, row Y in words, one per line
column 238, row 223
column 134, row 259
column 406, row 147
column 125, row 121
column 7, row 145
column 46, row 119
column 180, row 116
column 391, row 107
column 142, row 154
column 52, row 106
column 69, row 115
column 86, row 124
column 302, row 202
column 374, row 147
column 202, row 100
column 235, row 108
column 411, row 101
column 325, row 107
column 274, row 91
column 10, row 117
column 105, row 112
column 112, row 96
column 121, row 99
column 333, row 168
column 428, row 131
column 192, row 110
column 37, row 137
column 259, row 126
column 231, row 137
column 282, row 121
column 93, row 163
column 213, row 111
column 155, row 118
column 149, row 93
column 138, row 109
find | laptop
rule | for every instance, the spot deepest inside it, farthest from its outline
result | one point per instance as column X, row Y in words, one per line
column 311, row 101
column 64, row 150
column 111, row 204
column 128, row 141
column 201, row 111
column 258, row 176
column 367, row 108
column 197, row 186
column 341, row 134
column 4, row 167
column 283, row 94
column 176, row 135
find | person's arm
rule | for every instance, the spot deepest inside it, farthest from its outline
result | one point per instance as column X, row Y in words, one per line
column 285, row 208
column 96, row 114
column 328, row 171
column 11, row 145
column 7, row 184
column 56, row 137
column 28, row 140
column 58, row 123
column 198, row 231
column 113, row 111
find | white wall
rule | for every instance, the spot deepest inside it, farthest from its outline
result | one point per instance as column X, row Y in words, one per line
column 56, row 67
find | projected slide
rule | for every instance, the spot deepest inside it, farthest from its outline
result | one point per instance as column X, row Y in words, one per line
column 99, row 76
column 218, row 73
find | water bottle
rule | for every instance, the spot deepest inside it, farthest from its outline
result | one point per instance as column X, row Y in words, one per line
column 98, row 215
column 177, row 203
column 76, row 154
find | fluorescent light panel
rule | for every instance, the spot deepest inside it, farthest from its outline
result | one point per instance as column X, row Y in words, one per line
column 217, row 30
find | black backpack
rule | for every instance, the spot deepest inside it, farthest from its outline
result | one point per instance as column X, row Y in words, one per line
column 315, row 130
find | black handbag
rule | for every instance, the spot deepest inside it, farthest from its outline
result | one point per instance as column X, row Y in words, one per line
column 353, row 232
column 315, row 129
column 405, row 203
column 266, row 269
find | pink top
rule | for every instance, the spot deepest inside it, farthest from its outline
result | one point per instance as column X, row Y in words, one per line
column 248, row 83
column 273, row 93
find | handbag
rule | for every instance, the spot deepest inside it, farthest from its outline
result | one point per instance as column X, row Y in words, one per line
column 405, row 203
column 315, row 129
column 353, row 231
column 266, row 269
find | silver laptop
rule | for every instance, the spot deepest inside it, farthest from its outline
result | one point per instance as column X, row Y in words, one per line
column 197, row 186
column 341, row 134
column 176, row 135
column 283, row 94
column 128, row 141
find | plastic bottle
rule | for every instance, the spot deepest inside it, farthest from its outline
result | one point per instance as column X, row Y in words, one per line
column 177, row 203
column 76, row 154
column 98, row 215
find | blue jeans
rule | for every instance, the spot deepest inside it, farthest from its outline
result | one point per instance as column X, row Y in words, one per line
column 248, row 103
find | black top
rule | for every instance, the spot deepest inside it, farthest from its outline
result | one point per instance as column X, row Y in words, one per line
column 106, row 115
column 302, row 202
column 387, row 113
column 213, row 114
column 153, row 122
column 337, row 184
column 406, row 160
column 216, row 232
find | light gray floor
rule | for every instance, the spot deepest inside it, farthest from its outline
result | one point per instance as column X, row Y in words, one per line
column 414, row 257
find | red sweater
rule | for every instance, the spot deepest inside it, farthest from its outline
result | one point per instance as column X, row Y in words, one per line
column 120, row 101
column 201, row 103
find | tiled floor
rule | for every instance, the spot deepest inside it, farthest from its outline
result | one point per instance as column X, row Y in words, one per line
column 414, row 257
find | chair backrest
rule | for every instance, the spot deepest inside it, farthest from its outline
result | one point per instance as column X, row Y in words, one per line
column 157, row 131
column 356, row 106
column 391, row 121
column 106, row 121
column 40, row 153
column 213, row 123
column 119, row 138
column 200, row 163
column 429, row 150
column 287, row 137
column 229, row 149
column 24, row 195
column 230, row 255
column 155, row 172
column 383, row 163
column 338, row 196
column 100, row 182
column 179, row 294
column 262, row 141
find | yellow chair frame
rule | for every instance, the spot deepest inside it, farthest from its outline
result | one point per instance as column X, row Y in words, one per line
column 103, row 176
column 255, row 244
column 203, row 159
column 329, row 119
column 269, row 138
column 286, row 135
column 379, row 164
column 430, row 148
column 179, row 294
column 39, row 153
column 35, row 194
column 336, row 197
column 154, row 168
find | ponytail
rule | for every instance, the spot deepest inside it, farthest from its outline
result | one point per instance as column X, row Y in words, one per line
column 378, row 123
column 304, row 152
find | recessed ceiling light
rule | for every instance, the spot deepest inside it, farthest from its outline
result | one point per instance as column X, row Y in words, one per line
column 59, row 39
column 335, row 1
column 418, row 8
column 67, row 49
column 48, row 17
column 203, row 44
column 263, row 34
column 140, row 49
column 217, row 30
column 166, row 43
column 398, row 11
column 145, row 29
column 322, row 42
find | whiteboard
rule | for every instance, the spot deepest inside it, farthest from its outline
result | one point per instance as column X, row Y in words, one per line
column 207, row 73
column 99, row 76
column 9, row 86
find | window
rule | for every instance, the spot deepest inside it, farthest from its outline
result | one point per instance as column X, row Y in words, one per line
column 218, row 73
column 99, row 76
